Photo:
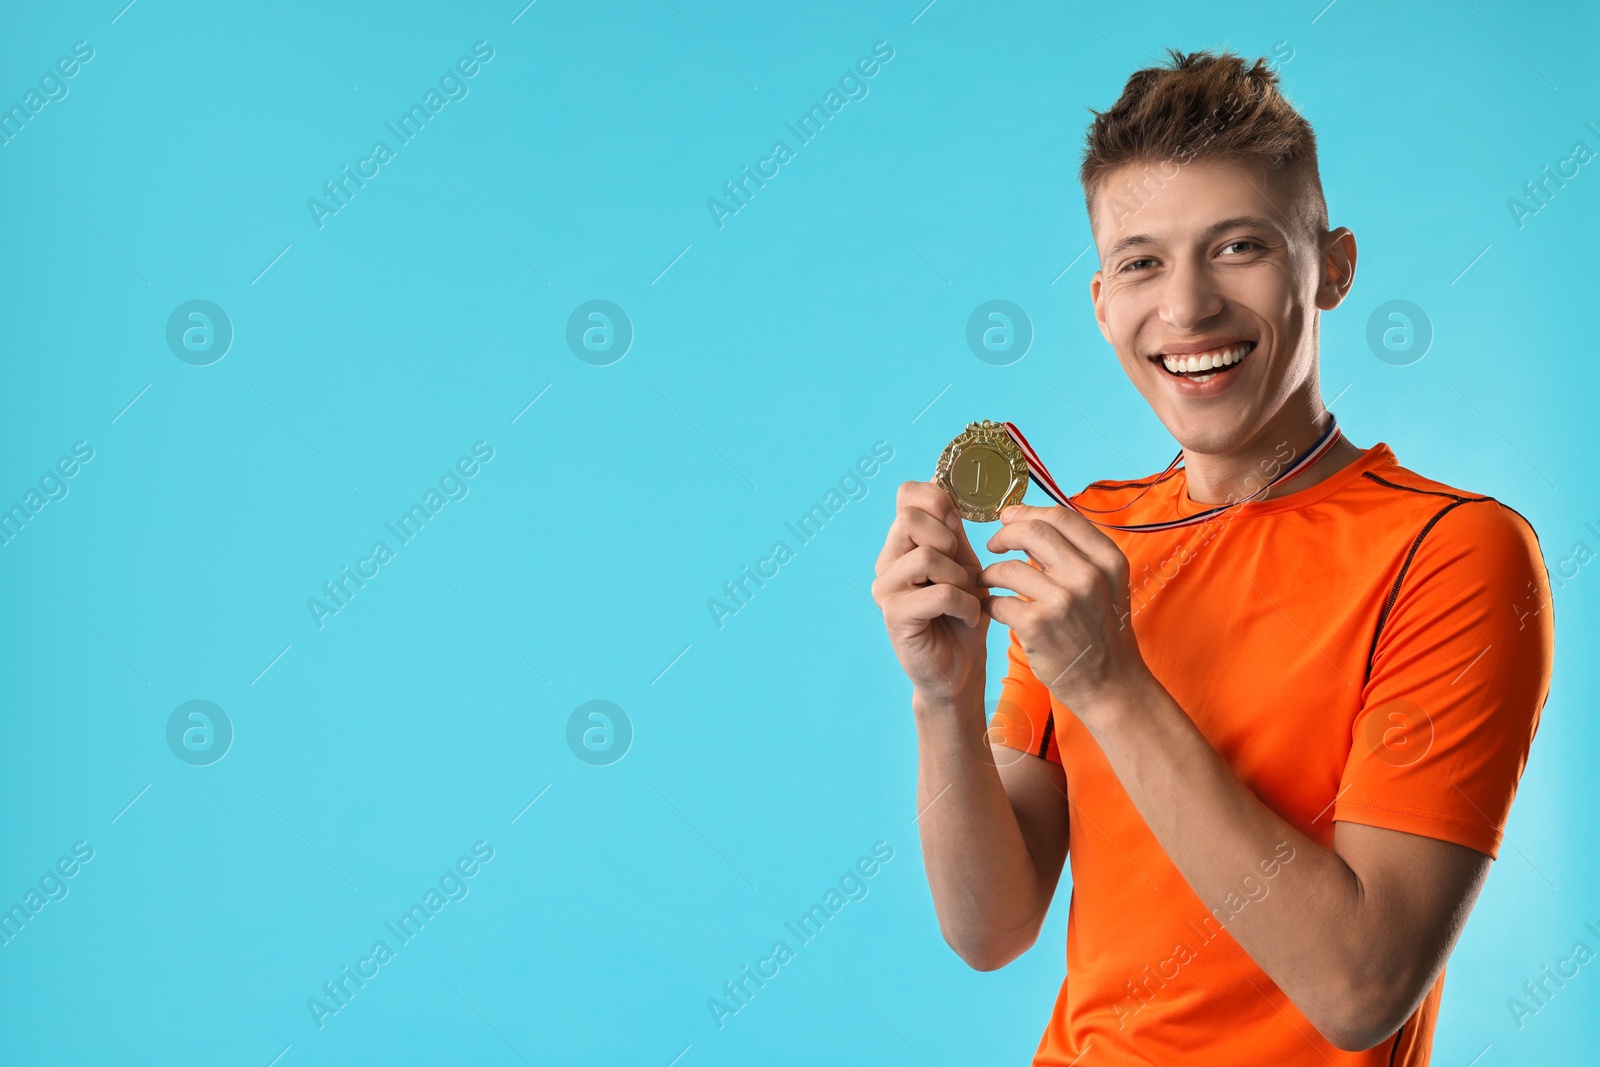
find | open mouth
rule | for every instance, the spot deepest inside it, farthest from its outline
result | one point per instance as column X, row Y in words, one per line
column 1203, row 366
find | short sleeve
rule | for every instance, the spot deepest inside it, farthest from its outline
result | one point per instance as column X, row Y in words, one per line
column 1022, row 718
column 1460, row 669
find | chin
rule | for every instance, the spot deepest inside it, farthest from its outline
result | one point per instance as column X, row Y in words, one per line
column 1211, row 434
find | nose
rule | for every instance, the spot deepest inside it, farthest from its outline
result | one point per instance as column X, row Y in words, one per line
column 1190, row 297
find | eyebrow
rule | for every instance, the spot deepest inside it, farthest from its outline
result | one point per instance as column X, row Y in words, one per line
column 1140, row 240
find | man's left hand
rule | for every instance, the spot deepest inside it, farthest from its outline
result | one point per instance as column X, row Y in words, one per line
column 1075, row 624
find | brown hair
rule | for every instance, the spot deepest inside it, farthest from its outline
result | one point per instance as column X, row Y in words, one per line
column 1205, row 106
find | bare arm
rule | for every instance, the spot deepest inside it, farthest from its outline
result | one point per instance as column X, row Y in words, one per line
column 1354, row 935
column 994, row 835
column 993, row 822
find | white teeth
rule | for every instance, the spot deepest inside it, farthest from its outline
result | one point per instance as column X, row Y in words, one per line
column 1206, row 361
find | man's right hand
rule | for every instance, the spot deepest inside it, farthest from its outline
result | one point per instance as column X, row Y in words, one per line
column 927, row 588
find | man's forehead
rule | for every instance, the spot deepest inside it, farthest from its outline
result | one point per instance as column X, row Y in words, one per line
column 1166, row 201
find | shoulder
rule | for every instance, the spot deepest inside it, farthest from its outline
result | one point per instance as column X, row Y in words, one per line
column 1459, row 566
column 1452, row 547
column 1444, row 516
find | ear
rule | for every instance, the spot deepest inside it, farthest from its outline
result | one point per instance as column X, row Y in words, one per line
column 1337, row 265
column 1096, row 296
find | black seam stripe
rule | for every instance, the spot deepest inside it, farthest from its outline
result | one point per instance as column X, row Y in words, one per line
column 1049, row 728
column 1394, row 591
column 1396, row 1049
column 1133, row 485
column 1428, row 492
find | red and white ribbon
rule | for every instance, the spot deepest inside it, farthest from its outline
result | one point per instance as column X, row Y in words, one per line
column 1042, row 478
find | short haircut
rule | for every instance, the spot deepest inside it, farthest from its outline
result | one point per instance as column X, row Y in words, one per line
column 1207, row 107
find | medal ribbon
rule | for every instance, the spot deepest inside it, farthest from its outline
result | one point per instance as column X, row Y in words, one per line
column 1041, row 477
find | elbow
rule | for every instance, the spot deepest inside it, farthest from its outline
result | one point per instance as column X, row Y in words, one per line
column 1353, row 1035
column 985, row 950
column 1359, row 1015
column 985, row 959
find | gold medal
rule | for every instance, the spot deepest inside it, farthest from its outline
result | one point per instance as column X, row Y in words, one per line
column 983, row 470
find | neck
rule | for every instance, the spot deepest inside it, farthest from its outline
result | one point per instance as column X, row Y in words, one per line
column 1220, row 478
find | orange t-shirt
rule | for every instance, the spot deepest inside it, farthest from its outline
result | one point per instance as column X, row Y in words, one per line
column 1375, row 648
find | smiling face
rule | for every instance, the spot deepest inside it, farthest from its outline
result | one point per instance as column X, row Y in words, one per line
column 1209, row 288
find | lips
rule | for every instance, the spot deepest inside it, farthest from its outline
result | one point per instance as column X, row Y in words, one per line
column 1204, row 364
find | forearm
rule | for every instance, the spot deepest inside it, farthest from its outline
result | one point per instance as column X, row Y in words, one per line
column 986, row 884
column 1312, row 931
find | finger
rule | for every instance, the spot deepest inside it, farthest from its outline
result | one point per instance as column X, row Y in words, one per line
column 930, row 498
column 924, row 566
column 912, row 527
column 923, row 605
column 1009, row 611
column 1089, row 540
column 1017, row 576
column 1042, row 541
column 964, row 553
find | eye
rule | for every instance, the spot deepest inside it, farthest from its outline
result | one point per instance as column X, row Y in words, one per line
column 1142, row 263
column 1242, row 243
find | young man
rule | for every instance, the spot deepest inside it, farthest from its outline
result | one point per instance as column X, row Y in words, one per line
column 1279, row 745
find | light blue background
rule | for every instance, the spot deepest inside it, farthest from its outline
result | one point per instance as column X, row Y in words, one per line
column 771, row 753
